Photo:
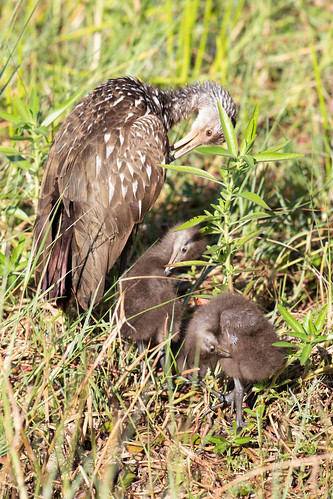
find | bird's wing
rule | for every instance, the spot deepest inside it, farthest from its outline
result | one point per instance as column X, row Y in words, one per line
column 239, row 321
column 116, row 198
column 107, row 185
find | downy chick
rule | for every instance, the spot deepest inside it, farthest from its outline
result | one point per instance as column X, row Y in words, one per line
column 239, row 336
column 150, row 302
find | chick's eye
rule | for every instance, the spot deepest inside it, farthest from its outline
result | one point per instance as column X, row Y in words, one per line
column 184, row 249
column 212, row 349
column 209, row 132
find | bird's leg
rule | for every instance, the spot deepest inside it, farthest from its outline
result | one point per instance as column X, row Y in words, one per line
column 142, row 347
column 239, row 394
column 166, row 361
column 162, row 358
column 124, row 255
column 235, row 399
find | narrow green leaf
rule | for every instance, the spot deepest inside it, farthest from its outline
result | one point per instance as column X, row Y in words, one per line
column 19, row 213
column 252, row 196
column 228, row 131
column 248, row 159
column 306, row 321
column 302, row 337
column 222, row 447
column 276, row 148
column 21, row 161
column 57, row 112
column 250, row 133
column 4, row 261
column 312, row 329
column 252, row 216
column 20, row 266
column 293, row 323
column 17, row 252
column 252, row 126
column 285, row 344
column 216, row 150
column 214, row 247
column 187, row 263
column 42, row 130
column 276, row 156
column 192, row 222
column 215, row 440
column 242, row 440
column 23, row 110
column 19, row 138
column 243, row 147
column 10, row 151
column 320, row 339
column 321, row 319
column 229, row 167
column 249, row 146
column 305, row 354
column 246, row 238
column 10, row 117
column 192, row 171
column 34, row 101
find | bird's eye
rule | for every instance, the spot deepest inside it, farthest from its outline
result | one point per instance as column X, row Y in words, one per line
column 184, row 249
column 212, row 348
column 209, row 132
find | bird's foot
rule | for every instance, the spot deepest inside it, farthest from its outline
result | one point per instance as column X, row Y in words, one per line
column 217, row 394
column 213, row 408
column 168, row 385
column 234, row 399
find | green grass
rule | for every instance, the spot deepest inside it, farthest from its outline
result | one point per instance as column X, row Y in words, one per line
column 76, row 415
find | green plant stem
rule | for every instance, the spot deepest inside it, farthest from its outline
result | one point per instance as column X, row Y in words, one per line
column 228, row 261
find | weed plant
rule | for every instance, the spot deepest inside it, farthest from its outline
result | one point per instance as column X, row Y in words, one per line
column 222, row 221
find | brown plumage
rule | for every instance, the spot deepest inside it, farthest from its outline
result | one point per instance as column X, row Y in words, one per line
column 232, row 330
column 102, row 176
column 150, row 303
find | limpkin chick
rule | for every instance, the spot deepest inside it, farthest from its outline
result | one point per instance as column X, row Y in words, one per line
column 232, row 330
column 102, row 175
column 150, row 302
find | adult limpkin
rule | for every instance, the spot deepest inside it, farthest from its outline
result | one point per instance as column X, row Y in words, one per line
column 102, row 176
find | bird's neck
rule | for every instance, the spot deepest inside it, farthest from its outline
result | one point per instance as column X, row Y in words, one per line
column 163, row 249
column 179, row 104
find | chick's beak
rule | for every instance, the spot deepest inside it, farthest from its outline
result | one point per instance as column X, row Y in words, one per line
column 174, row 258
column 222, row 351
column 192, row 140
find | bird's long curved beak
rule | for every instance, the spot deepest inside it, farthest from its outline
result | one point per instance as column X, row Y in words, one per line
column 223, row 352
column 192, row 140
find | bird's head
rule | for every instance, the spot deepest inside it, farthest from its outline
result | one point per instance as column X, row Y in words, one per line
column 210, row 347
column 187, row 244
column 207, row 129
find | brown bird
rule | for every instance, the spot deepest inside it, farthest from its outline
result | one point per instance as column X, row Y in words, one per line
column 150, row 303
column 102, row 176
column 232, row 330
